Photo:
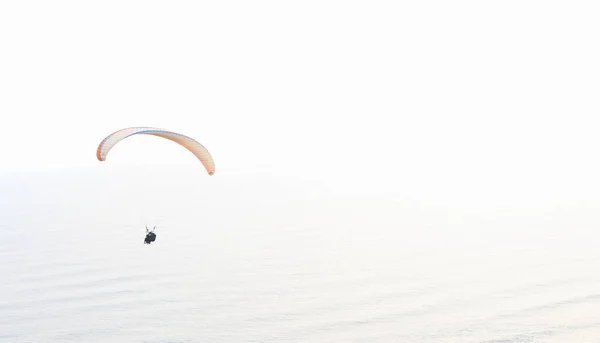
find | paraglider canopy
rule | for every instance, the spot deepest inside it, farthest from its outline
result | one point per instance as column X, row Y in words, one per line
column 190, row 144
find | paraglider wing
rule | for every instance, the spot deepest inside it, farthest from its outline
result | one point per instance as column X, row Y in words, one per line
column 193, row 146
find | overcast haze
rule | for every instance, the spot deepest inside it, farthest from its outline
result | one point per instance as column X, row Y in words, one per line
column 400, row 171
column 441, row 100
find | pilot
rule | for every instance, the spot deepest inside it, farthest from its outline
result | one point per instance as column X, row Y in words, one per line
column 150, row 236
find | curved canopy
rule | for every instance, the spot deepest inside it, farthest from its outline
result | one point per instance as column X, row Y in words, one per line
column 193, row 146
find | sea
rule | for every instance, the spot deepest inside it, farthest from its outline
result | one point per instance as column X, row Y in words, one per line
column 256, row 260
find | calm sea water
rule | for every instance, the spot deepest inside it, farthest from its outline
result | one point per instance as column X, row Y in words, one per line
column 248, row 261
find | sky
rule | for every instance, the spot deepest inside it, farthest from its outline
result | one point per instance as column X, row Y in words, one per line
column 451, row 102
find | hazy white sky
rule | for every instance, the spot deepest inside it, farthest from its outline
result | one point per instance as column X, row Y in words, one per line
column 459, row 101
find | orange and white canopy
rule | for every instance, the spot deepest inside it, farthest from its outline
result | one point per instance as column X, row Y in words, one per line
column 193, row 146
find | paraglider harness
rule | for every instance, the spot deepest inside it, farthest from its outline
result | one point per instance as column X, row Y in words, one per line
column 150, row 235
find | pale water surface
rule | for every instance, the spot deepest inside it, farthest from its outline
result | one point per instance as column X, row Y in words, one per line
column 252, row 261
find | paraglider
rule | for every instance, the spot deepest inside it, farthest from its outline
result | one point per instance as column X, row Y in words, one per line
column 150, row 235
column 190, row 144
